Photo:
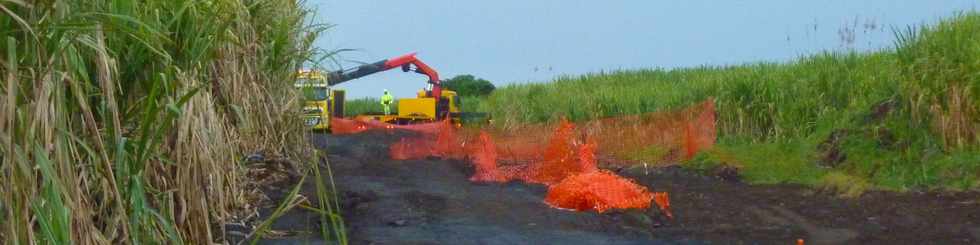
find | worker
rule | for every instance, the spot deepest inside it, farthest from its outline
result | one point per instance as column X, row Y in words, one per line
column 386, row 102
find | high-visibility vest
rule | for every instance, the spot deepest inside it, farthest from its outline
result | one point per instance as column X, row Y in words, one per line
column 386, row 99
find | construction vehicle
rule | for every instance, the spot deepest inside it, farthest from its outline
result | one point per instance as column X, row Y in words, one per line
column 430, row 104
column 321, row 102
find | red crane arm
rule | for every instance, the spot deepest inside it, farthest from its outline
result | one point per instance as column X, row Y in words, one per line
column 404, row 61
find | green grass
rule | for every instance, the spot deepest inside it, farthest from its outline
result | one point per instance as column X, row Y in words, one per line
column 764, row 163
column 367, row 106
column 126, row 121
column 772, row 117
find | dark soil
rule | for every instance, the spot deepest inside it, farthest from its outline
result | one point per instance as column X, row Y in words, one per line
column 432, row 202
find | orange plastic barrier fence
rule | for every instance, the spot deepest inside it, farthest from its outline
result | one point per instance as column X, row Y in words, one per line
column 663, row 201
column 657, row 138
column 599, row 191
column 438, row 139
column 565, row 156
column 351, row 126
column 347, row 126
column 560, row 160
column 411, row 148
column 485, row 162
column 586, row 156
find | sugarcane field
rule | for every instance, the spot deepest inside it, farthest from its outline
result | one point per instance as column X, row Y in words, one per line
column 489, row 122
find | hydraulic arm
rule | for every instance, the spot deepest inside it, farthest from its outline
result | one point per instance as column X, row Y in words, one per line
column 406, row 62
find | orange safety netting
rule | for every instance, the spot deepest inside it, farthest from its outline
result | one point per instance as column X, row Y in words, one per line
column 411, row 148
column 351, row 126
column 560, row 160
column 486, row 161
column 567, row 157
column 599, row 191
column 657, row 138
column 569, row 168
column 586, row 156
column 663, row 201
column 438, row 139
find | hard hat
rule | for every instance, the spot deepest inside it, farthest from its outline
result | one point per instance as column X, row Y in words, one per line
column 386, row 91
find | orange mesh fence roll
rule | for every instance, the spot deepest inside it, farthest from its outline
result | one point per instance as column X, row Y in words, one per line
column 599, row 191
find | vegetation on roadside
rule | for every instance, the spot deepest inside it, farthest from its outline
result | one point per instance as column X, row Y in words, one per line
column 895, row 119
column 469, row 86
column 367, row 106
column 127, row 121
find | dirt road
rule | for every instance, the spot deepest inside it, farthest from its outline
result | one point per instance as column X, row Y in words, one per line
column 432, row 202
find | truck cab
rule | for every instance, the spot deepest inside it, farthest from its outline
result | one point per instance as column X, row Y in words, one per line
column 320, row 102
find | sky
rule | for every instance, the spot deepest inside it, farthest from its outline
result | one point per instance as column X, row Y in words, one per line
column 521, row 41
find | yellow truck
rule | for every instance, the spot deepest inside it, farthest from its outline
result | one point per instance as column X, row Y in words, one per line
column 320, row 101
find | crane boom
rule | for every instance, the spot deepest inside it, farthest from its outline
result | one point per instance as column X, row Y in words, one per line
column 405, row 62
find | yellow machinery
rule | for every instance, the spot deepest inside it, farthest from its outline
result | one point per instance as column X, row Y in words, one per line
column 431, row 104
column 422, row 108
column 320, row 102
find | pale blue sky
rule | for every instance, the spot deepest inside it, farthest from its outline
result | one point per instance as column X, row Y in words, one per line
column 519, row 41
